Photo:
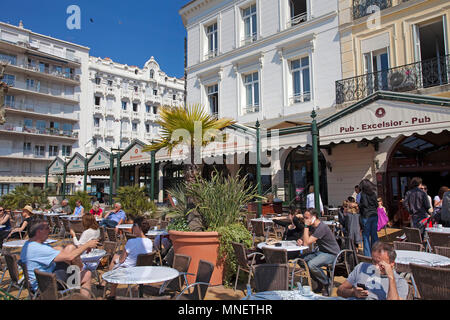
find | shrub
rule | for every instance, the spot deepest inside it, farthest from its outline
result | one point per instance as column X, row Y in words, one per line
column 135, row 202
column 24, row 195
column 85, row 200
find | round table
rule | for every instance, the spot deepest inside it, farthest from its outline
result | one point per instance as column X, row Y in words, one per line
column 288, row 245
column 265, row 220
column 330, row 223
column 93, row 256
column 154, row 233
column 20, row 243
column 287, row 295
column 441, row 230
column 405, row 257
column 125, row 226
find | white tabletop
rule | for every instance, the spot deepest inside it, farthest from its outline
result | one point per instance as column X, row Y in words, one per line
column 442, row 230
column 140, row 275
column 265, row 220
column 330, row 223
column 125, row 226
column 93, row 256
column 425, row 258
column 155, row 233
column 20, row 243
column 287, row 295
column 288, row 245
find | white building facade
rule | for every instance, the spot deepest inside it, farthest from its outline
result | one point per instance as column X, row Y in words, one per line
column 122, row 102
column 46, row 78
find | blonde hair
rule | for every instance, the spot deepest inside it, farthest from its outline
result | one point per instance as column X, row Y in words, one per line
column 96, row 206
column 353, row 208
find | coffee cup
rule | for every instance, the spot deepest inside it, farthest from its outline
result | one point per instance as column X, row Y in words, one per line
column 307, row 290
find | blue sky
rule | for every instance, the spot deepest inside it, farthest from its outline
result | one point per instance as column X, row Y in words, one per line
column 128, row 32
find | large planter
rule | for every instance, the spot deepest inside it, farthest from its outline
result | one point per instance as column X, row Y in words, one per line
column 198, row 245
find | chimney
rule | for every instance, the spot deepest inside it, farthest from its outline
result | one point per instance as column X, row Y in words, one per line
column 21, row 24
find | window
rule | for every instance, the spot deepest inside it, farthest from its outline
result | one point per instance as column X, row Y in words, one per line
column 250, row 29
column 301, row 86
column 211, row 35
column 27, row 147
column 94, row 142
column 124, row 105
column 110, row 83
column 147, row 128
column 96, row 122
column 134, row 126
column 57, row 69
column 213, row 98
column 152, row 74
column 97, row 100
column 27, row 123
column 40, row 126
column 251, row 84
column 155, row 110
column 54, row 127
column 135, row 107
column 31, row 84
column 147, row 108
column 52, row 151
column 9, row 79
column 377, row 63
column 97, row 80
column 39, row 151
column 298, row 12
column 136, row 89
column 67, row 129
column 44, row 67
column 8, row 58
column 68, row 73
column 66, row 151
column 10, row 101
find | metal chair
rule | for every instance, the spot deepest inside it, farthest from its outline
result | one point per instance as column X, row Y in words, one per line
column 245, row 262
column 270, row 277
column 443, row 251
column 410, row 246
column 439, row 239
column 27, row 284
column 14, row 279
column 204, row 273
column 432, row 283
column 341, row 260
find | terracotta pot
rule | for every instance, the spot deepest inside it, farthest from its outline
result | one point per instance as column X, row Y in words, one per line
column 198, row 245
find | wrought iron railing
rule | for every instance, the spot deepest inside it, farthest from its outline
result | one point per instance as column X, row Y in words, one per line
column 362, row 8
column 300, row 98
column 303, row 17
column 418, row 75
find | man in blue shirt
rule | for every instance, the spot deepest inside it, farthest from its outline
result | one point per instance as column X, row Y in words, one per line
column 43, row 257
column 115, row 217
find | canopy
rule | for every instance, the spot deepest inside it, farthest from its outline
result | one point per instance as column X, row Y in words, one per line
column 76, row 164
column 99, row 160
column 133, row 154
column 57, row 166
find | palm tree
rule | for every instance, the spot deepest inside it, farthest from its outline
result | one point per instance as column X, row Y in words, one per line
column 194, row 124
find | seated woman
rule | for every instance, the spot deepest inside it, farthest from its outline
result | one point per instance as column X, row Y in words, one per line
column 96, row 210
column 79, row 209
column 5, row 220
column 134, row 247
column 20, row 232
column 91, row 230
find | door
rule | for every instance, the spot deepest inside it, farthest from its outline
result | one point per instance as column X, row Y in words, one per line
column 376, row 68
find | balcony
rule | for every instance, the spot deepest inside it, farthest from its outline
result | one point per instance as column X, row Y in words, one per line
column 135, row 115
column 20, row 87
column 149, row 117
column 110, row 112
column 99, row 89
column 251, row 109
column 125, row 94
column 249, row 39
column 97, row 132
column 125, row 134
column 362, row 8
column 211, row 54
column 125, row 114
column 419, row 75
column 24, row 109
column 110, row 92
column 303, row 17
column 98, row 110
column 49, row 132
column 300, row 98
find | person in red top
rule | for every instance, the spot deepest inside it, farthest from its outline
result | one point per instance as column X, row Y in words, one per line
column 96, row 210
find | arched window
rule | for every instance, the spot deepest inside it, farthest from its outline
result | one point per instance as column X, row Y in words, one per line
column 152, row 74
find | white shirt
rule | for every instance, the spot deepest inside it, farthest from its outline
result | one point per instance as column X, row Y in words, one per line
column 310, row 202
column 87, row 235
column 437, row 199
column 135, row 247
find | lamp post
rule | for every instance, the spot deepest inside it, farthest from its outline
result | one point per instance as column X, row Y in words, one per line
column 258, row 170
column 112, row 156
column 152, row 180
column 315, row 147
column 64, row 178
column 46, row 177
column 86, row 160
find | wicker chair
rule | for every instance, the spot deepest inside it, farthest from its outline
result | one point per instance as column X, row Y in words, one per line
column 11, row 263
column 258, row 230
column 443, row 251
column 102, row 235
column 270, row 277
column 153, row 223
column 27, row 284
column 66, row 226
column 111, row 248
column 410, row 246
column 129, row 236
column 248, row 218
column 432, row 283
column 77, row 227
column 245, row 261
column 112, row 236
column 439, row 239
column 204, row 273
column 363, row 258
column 413, row 235
column 145, row 259
column 181, row 263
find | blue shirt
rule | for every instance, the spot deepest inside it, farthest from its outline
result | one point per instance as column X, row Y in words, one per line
column 358, row 197
column 78, row 210
column 117, row 216
column 38, row 256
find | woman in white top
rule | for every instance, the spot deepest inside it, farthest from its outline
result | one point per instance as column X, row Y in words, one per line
column 438, row 198
column 134, row 247
column 310, row 200
column 91, row 230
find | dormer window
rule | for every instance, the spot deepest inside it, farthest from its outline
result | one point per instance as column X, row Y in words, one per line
column 152, row 74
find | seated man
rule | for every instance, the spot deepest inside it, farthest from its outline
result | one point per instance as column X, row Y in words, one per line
column 376, row 281
column 65, row 207
column 115, row 217
column 134, row 247
column 38, row 255
column 293, row 227
column 328, row 248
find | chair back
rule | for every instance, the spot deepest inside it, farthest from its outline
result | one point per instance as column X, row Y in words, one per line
column 249, row 217
column 439, row 239
column 270, row 277
column 258, row 228
column 413, row 235
column 153, row 223
column 102, row 234
column 443, row 251
column 50, row 222
column 432, row 283
column 111, row 232
column 411, row 292
column 129, row 236
column 26, row 277
column 275, row 256
column 204, row 273
column 410, row 246
column 241, row 255
column 76, row 226
column 110, row 247
column 11, row 264
column 66, row 224
column 363, row 258
column 145, row 259
column 47, row 284
column 181, row 263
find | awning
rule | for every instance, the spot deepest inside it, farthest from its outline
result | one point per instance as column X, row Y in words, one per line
column 134, row 155
column 386, row 114
column 57, row 166
column 237, row 139
column 76, row 164
column 100, row 160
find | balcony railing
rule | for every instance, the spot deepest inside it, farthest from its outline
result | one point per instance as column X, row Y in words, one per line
column 303, row 17
column 44, row 131
column 251, row 109
column 40, row 88
column 362, row 8
column 300, row 98
column 35, row 68
column 418, row 75
column 249, row 39
column 211, row 54
column 98, row 110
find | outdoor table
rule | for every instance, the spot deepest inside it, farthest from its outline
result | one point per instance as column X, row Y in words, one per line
column 20, row 243
column 140, row 275
column 288, row 245
column 405, row 257
column 442, row 230
column 287, row 295
column 265, row 220
column 93, row 256
column 154, row 233
column 330, row 223
column 125, row 226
